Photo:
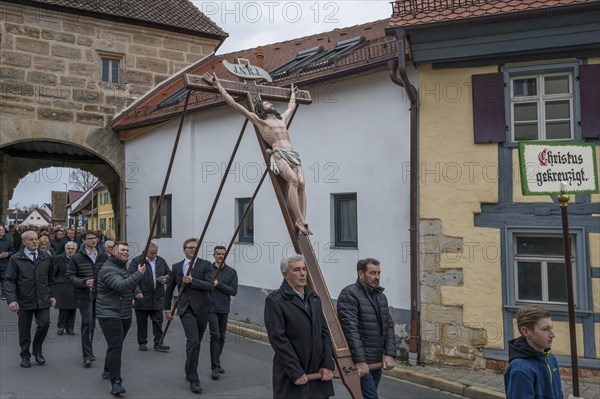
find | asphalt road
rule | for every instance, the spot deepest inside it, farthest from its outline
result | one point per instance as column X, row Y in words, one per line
column 149, row 375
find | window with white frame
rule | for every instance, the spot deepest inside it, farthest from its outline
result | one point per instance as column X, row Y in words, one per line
column 541, row 106
column 345, row 220
column 539, row 269
column 111, row 69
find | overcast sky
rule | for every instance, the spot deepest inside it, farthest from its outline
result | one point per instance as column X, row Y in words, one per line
column 254, row 23
column 249, row 24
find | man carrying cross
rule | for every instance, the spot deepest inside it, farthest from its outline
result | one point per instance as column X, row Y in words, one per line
column 285, row 162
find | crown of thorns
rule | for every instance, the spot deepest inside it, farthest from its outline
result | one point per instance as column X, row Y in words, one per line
column 259, row 109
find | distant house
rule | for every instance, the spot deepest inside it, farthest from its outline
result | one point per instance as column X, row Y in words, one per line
column 15, row 216
column 38, row 217
column 72, row 196
column 80, row 208
column 47, row 208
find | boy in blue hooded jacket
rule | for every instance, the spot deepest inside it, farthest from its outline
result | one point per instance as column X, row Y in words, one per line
column 533, row 371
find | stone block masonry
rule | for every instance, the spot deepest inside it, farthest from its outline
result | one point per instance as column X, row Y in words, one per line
column 59, row 55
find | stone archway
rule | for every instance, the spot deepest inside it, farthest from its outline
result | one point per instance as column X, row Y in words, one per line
column 19, row 158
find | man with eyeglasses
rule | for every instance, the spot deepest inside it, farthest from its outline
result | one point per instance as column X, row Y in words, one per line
column 83, row 273
column 193, row 307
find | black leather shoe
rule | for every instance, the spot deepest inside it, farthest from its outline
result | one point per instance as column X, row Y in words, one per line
column 87, row 362
column 70, row 331
column 39, row 359
column 25, row 363
column 195, row 387
column 215, row 374
column 162, row 348
column 221, row 370
column 143, row 347
column 60, row 331
column 93, row 358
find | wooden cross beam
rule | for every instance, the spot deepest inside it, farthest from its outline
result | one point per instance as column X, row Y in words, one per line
column 249, row 89
column 345, row 365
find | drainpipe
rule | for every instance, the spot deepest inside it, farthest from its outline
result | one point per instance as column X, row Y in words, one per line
column 397, row 70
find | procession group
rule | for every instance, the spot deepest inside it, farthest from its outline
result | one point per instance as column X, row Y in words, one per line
column 95, row 276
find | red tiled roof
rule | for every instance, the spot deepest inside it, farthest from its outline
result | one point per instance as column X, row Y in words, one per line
column 410, row 13
column 378, row 49
column 74, row 195
column 179, row 14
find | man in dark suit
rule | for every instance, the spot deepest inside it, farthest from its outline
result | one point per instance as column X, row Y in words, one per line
column 27, row 285
column 152, row 302
column 194, row 305
column 299, row 336
column 226, row 286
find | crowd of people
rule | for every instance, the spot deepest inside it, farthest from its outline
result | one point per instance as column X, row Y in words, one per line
column 72, row 272
column 43, row 268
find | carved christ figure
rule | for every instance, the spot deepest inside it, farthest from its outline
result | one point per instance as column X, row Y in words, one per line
column 285, row 162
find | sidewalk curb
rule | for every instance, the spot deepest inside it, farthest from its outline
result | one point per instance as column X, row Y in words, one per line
column 458, row 388
column 257, row 333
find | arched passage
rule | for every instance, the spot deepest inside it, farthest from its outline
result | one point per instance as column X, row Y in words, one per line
column 19, row 158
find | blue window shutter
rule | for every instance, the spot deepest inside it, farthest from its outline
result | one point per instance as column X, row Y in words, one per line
column 589, row 84
column 488, row 108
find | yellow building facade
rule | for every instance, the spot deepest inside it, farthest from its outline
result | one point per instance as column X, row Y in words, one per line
column 104, row 219
column 486, row 82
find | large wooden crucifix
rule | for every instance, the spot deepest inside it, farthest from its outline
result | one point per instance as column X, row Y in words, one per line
column 253, row 93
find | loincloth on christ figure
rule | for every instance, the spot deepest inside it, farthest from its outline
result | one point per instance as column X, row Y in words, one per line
column 290, row 156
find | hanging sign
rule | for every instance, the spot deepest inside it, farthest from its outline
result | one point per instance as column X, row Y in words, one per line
column 544, row 165
column 246, row 71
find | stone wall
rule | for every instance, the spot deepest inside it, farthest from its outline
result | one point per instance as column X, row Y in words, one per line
column 51, row 64
column 51, row 88
column 445, row 338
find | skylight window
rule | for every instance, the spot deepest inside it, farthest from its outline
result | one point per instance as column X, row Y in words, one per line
column 340, row 50
column 173, row 98
column 301, row 59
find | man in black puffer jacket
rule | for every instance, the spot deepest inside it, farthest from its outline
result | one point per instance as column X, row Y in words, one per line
column 114, row 308
column 367, row 324
column 82, row 272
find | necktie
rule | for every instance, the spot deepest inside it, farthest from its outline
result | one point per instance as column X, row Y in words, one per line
column 34, row 256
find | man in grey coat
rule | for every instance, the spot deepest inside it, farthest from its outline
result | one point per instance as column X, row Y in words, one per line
column 367, row 324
